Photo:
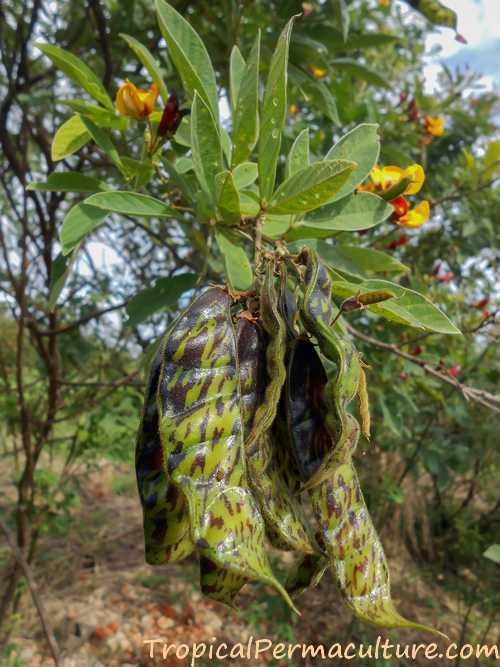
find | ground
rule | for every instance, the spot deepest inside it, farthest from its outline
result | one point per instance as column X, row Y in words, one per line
column 103, row 601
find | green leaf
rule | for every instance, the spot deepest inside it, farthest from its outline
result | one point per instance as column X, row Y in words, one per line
column 228, row 199
column 298, row 157
column 79, row 221
column 249, row 204
column 140, row 170
column 361, row 71
column 100, row 116
column 238, row 269
column 77, row 70
column 165, row 294
column 362, row 145
column 273, row 114
column 131, row 203
column 371, row 39
column 237, row 66
column 276, row 226
column 183, row 165
column 61, row 267
column 358, row 211
column 103, row 140
column 359, row 261
column 493, row 553
column 311, row 187
column 245, row 174
column 408, row 307
column 246, row 114
column 206, row 146
column 147, row 59
column 69, row 138
column 189, row 55
column 343, row 13
column 68, row 181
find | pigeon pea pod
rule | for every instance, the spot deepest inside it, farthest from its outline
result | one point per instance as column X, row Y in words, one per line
column 165, row 515
column 201, row 431
column 317, row 314
column 269, row 465
column 349, row 537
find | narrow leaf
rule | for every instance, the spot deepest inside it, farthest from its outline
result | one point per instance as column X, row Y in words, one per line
column 103, row 140
column 238, row 269
column 131, row 203
column 100, row 116
column 79, row 221
column 311, row 187
column 359, row 261
column 147, row 59
column 189, row 55
column 228, row 200
column 68, row 181
column 77, row 70
column 245, row 174
column 206, row 146
column 236, row 68
column 61, row 267
column 69, row 138
column 362, row 145
column 298, row 157
column 408, row 307
column 246, row 116
column 273, row 114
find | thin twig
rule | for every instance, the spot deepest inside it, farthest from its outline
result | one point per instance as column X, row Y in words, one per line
column 47, row 628
column 469, row 393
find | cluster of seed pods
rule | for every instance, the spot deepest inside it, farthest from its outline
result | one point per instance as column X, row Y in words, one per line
column 245, row 441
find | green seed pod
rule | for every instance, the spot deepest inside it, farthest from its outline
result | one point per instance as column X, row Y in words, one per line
column 351, row 542
column 271, row 472
column 435, row 12
column 201, row 431
column 166, row 519
column 317, row 314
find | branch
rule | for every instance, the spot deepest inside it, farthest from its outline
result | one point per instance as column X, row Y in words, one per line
column 47, row 629
column 469, row 393
column 83, row 320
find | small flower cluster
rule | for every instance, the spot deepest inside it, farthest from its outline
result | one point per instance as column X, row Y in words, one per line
column 386, row 179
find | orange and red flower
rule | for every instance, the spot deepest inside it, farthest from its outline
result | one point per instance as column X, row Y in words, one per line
column 383, row 179
column 136, row 103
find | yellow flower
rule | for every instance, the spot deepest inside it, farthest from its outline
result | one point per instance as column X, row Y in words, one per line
column 385, row 178
column 415, row 216
column 384, row 3
column 318, row 72
column 293, row 108
column 434, row 125
column 131, row 101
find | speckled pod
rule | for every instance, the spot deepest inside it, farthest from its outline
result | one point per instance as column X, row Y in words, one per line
column 165, row 516
column 356, row 554
column 201, row 431
column 271, row 471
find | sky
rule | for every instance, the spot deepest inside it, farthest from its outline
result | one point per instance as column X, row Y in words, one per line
column 479, row 23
